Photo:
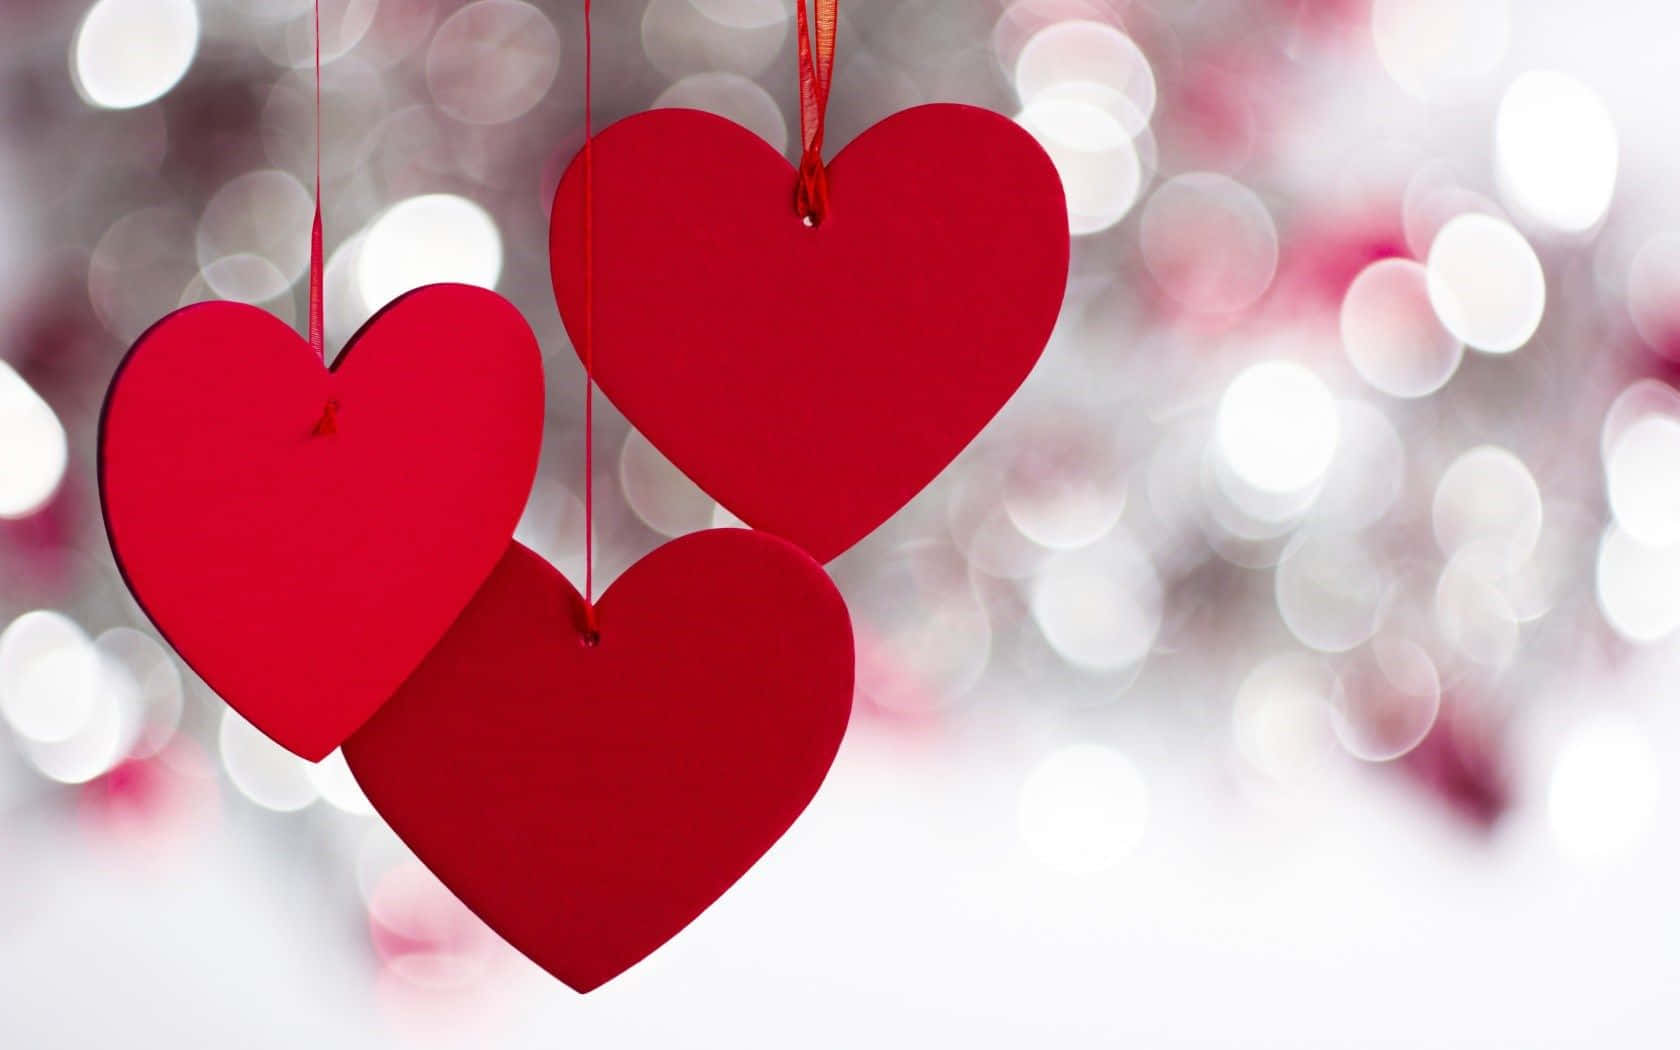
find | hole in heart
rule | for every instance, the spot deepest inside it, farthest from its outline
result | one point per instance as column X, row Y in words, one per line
column 809, row 220
column 328, row 423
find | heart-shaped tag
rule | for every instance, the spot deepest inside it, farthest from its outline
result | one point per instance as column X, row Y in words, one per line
column 589, row 801
column 301, row 536
column 813, row 379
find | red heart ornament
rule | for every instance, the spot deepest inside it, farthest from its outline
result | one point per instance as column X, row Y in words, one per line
column 589, row 801
column 301, row 536
column 814, row 379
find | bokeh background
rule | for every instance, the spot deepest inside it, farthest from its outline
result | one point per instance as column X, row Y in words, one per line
column 1290, row 664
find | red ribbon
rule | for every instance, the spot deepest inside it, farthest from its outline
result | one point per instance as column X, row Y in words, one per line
column 317, row 328
column 327, row 425
column 816, row 71
column 591, row 625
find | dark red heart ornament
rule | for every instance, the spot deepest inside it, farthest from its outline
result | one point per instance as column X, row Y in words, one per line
column 589, row 801
column 301, row 536
column 814, row 379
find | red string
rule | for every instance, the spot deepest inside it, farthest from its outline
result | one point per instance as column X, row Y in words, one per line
column 589, row 328
column 816, row 70
column 317, row 329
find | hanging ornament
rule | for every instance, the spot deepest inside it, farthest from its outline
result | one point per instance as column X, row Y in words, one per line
column 303, row 535
column 588, row 795
column 812, row 345
column 590, row 776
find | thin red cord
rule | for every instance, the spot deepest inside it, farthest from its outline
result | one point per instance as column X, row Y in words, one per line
column 588, row 325
column 317, row 328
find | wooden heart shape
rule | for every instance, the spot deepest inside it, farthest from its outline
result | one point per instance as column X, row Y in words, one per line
column 589, row 801
column 814, row 379
column 301, row 536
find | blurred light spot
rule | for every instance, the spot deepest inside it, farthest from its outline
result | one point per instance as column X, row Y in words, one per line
column 659, row 493
column 403, row 29
column 926, row 663
column 379, row 851
column 1175, row 483
column 1555, row 147
column 1485, row 283
column 1209, row 242
column 743, row 14
column 1433, row 198
column 1653, row 294
column 431, row 239
column 1391, row 334
column 358, row 99
column 128, row 52
column 1555, row 568
column 1280, row 716
column 141, row 261
column 924, row 639
column 423, row 934
column 1367, row 472
column 1390, row 698
column 261, row 214
column 1641, row 399
column 1079, row 51
column 418, row 147
column 342, row 310
column 262, row 770
column 1604, row 791
column 1644, row 482
column 1473, row 611
column 1064, row 493
column 241, row 278
column 685, row 37
column 74, row 710
column 732, row 97
column 1083, row 809
column 93, row 750
column 492, row 61
column 50, row 676
column 1099, row 607
column 1022, row 19
column 1487, row 500
column 1089, row 141
column 150, row 682
column 289, row 39
column 332, row 778
column 1245, row 525
column 1638, row 587
column 982, row 529
column 153, row 804
column 244, row 277
column 1277, row 427
column 343, row 25
column 34, row 449
column 552, row 524
column 1330, row 591
column 1433, row 48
